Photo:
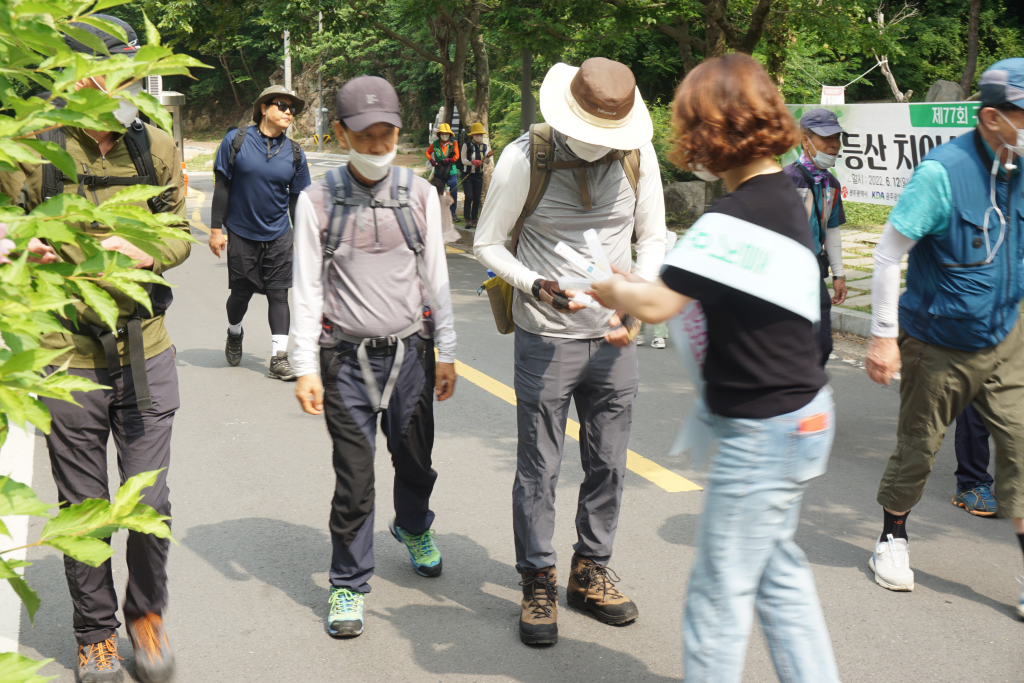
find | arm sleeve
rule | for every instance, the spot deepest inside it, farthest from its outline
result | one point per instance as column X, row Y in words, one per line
column 301, row 180
column 885, row 284
column 437, row 265
column 221, row 197
column 834, row 250
column 307, row 289
column 430, row 152
column 506, row 197
column 293, row 199
column 649, row 217
column 926, row 204
column 455, row 150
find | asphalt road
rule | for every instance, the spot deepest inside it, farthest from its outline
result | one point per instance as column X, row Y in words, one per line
column 251, row 484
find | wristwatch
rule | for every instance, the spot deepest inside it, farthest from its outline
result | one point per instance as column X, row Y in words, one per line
column 536, row 288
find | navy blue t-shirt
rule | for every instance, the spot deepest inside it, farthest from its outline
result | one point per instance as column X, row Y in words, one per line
column 258, row 205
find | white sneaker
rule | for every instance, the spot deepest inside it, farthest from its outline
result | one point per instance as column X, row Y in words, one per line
column 658, row 343
column 639, row 340
column 891, row 564
column 1020, row 605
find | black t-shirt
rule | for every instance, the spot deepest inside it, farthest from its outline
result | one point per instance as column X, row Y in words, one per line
column 762, row 360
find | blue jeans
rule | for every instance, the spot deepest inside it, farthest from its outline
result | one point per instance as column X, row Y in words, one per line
column 746, row 555
column 453, row 188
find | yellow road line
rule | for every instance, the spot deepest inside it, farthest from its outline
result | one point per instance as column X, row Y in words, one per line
column 452, row 250
column 197, row 217
column 648, row 469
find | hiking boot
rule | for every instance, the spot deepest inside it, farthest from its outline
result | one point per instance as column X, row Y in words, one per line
column 154, row 661
column 891, row 564
column 345, row 613
column 592, row 588
column 423, row 553
column 978, row 500
column 99, row 662
column 280, row 368
column 233, row 348
column 538, row 624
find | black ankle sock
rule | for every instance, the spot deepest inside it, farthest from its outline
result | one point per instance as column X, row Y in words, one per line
column 895, row 525
column 1020, row 537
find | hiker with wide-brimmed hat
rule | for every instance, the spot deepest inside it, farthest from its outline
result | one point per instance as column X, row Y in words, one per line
column 259, row 173
column 601, row 172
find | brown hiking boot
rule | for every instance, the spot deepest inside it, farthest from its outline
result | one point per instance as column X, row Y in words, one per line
column 538, row 624
column 592, row 588
column 99, row 662
column 154, row 661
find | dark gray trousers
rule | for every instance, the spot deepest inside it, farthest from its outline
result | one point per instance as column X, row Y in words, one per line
column 603, row 380
column 77, row 443
column 408, row 424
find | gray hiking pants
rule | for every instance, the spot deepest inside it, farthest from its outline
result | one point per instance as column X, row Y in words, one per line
column 603, row 380
column 78, row 457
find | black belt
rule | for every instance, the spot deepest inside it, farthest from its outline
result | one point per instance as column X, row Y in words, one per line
column 136, row 350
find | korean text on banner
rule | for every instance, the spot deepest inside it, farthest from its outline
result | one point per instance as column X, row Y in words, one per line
column 884, row 143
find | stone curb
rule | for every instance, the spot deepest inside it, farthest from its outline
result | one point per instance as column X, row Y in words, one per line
column 851, row 322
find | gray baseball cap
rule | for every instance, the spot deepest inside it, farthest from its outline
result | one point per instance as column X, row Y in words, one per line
column 822, row 122
column 1003, row 83
column 367, row 100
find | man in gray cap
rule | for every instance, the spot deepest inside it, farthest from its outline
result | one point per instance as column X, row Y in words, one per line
column 259, row 173
column 371, row 300
column 819, row 146
column 957, row 329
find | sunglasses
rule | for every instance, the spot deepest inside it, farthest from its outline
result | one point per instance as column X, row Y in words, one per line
column 284, row 106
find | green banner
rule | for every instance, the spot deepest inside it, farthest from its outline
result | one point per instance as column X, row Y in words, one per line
column 944, row 114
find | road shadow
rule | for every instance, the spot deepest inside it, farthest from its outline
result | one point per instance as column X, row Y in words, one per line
column 681, row 529
column 214, row 359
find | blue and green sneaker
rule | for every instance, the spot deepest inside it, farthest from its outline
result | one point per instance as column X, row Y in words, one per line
column 423, row 553
column 979, row 500
column 345, row 616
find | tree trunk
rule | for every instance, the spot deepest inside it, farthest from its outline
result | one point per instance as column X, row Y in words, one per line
column 900, row 97
column 685, row 49
column 714, row 37
column 245, row 65
column 528, row 105
column 777, row 41
column 482, row 69
column 972, row 49
column 231, row 79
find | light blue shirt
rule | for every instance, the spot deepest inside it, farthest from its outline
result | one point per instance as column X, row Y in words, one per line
column 926, row 204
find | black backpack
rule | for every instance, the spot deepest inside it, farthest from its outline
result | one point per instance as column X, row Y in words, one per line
column 236, row 144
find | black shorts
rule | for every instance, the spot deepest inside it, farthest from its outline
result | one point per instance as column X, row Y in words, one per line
column 259, row 266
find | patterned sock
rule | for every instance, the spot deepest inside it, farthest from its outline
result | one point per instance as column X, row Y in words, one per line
column 895, row 525
column 278, row 342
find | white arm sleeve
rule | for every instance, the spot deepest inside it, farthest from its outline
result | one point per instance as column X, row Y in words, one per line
column 307, row 289
column 506, row 197
column 834, row 251
column 437, row 267
column 885, row 285
column 649, row 217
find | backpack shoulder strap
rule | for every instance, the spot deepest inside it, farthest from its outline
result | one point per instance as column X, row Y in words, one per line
column 236, row 143
column 340, row 187
column 400, row 193
column 136, row 139
column 296, row 155
column 53, row 177
column 631, row 167
column 542, row 153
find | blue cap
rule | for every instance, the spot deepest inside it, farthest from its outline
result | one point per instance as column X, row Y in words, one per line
column 1003, row 83
column 822, row 122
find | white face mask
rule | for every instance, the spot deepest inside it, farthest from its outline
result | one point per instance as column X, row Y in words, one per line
column 478, row 139
column 585, row 150
column 444, row 137
column 371, row 166
column 1017, row 149
column 820, row 159
column 704, row 174
column 126, row 112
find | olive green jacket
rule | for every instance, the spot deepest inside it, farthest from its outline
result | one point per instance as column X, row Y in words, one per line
column 26, row 186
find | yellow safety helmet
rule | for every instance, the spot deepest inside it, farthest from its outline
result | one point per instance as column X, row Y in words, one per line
column 477, row 129
column 444, row 128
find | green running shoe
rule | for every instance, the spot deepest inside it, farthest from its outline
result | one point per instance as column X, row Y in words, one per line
column 345, row 618
column 423, row 553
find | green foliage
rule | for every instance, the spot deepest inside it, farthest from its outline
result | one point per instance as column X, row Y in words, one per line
column 865, row 215
column 661, row 117
column 17, row 669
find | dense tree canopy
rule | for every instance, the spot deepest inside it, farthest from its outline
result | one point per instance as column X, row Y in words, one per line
column 470, row 53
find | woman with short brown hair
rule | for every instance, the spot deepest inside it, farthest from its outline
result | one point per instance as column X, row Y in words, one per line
column 749, row 264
